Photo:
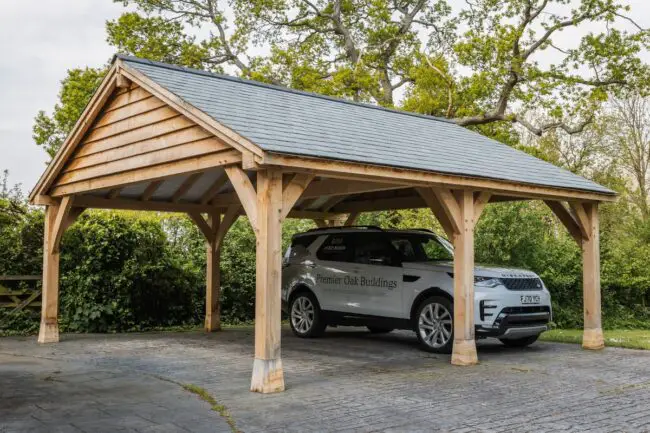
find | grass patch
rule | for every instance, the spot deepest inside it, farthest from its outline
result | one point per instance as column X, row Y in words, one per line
column 206, row 397
column 214, row 404
column 628, row 338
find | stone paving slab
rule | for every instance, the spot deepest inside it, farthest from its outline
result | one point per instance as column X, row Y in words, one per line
column 347, row 381
column 47, row 395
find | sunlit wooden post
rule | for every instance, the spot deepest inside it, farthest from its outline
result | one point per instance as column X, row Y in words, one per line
column 49, row 330
column 593, row 331
column 581, row 220
column 267, row 367
column 213, row 278
column 464, row 349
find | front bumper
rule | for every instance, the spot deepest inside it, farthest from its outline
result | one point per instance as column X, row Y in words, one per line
column 517, row 322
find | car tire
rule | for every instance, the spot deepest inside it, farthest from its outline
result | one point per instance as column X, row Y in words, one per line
column 379, row 330
column 305, row 316
column 519, row 342
column 433, row 323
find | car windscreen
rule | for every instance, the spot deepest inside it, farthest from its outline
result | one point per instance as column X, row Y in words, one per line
column 421, row 248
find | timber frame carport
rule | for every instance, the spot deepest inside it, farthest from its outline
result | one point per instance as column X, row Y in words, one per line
column 157, row 137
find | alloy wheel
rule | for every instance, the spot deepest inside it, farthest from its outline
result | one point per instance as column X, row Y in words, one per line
column 435, row 325
column 302, row 314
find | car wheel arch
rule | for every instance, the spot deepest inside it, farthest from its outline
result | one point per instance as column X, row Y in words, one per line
column 298, row 289
column 431, row 291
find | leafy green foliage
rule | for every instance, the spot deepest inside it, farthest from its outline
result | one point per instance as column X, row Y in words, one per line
column 155, row 38
column 76, row 90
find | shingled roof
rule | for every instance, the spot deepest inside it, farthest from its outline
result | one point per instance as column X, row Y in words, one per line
column 285, row 121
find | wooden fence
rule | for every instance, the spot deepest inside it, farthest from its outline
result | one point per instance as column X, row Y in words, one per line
column 18, row 292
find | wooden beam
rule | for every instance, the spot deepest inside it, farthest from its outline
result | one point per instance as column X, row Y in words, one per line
column 334, row 187
column 408, row 202
column 49, row 329
column 352, row 218
column 90, row 201
column 114, row 193
column 60, row 223
column 567, row 219
column 321, row 223
column 331, row 202
column 580, row 217
column 203, row 226
column 206, row 146
column 267, row 367
column 438, row 211
column 122, row 82
column 151, row 190
column 229, row 218
column 156, row 172
column 245, row 191
column 74, row 213
column 593, row 331
column 450, row 207
column 292, row 192
column 248, row 161
column 481, row 200
column 214, row 189
column 464, row 348
column 373, row 173
column 185, row 186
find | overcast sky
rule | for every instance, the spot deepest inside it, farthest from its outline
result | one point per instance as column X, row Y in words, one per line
column 39, row 41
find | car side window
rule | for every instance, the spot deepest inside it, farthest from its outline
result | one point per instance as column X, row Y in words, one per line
column 336, row 248
column 373, row 249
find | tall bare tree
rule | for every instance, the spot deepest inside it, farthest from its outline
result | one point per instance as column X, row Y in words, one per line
column 630, row 144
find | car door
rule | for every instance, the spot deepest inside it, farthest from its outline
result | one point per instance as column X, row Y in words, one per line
column 332, row 273
column 377, row 274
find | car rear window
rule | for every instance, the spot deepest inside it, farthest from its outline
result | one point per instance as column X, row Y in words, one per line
column 337, row 248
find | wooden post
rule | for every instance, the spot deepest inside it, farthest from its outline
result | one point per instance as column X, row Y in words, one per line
column 458, row 214
column 213, row 278
column 593, row 331
column 464, row 349
column 583, row 225
column 49, row 330
column 267, row 367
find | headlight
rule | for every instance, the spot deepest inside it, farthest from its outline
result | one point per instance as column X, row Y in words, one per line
column 487, row 282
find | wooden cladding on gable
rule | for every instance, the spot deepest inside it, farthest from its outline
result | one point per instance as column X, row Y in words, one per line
column 133, row 134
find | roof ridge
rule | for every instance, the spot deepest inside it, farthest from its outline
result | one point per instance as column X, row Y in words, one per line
column 272, row 86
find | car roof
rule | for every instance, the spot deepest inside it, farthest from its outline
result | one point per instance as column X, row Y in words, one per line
column 362, row 229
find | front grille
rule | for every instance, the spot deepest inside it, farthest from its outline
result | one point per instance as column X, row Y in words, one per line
column 527, row 309
column 524, row 316
column 522, row 284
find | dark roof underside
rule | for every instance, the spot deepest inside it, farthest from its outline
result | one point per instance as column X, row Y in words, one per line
column 289, row 122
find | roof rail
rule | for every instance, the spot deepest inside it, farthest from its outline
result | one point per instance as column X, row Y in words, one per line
column 344, row 227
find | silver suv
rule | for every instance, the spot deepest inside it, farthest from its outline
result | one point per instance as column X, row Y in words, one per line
column 403, row 279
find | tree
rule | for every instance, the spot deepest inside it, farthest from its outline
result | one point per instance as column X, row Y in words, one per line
column 158, row 39
column 76, row 90
column 629, row 126
column 496, row 71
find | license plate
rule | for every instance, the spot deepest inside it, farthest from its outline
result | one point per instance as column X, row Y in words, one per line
column 530, row 299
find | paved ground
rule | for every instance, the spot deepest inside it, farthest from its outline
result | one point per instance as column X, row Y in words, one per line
column 348, row 381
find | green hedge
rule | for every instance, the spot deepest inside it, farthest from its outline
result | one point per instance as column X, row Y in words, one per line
column 123, row 271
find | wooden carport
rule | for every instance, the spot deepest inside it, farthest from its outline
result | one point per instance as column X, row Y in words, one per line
column 157, row 137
